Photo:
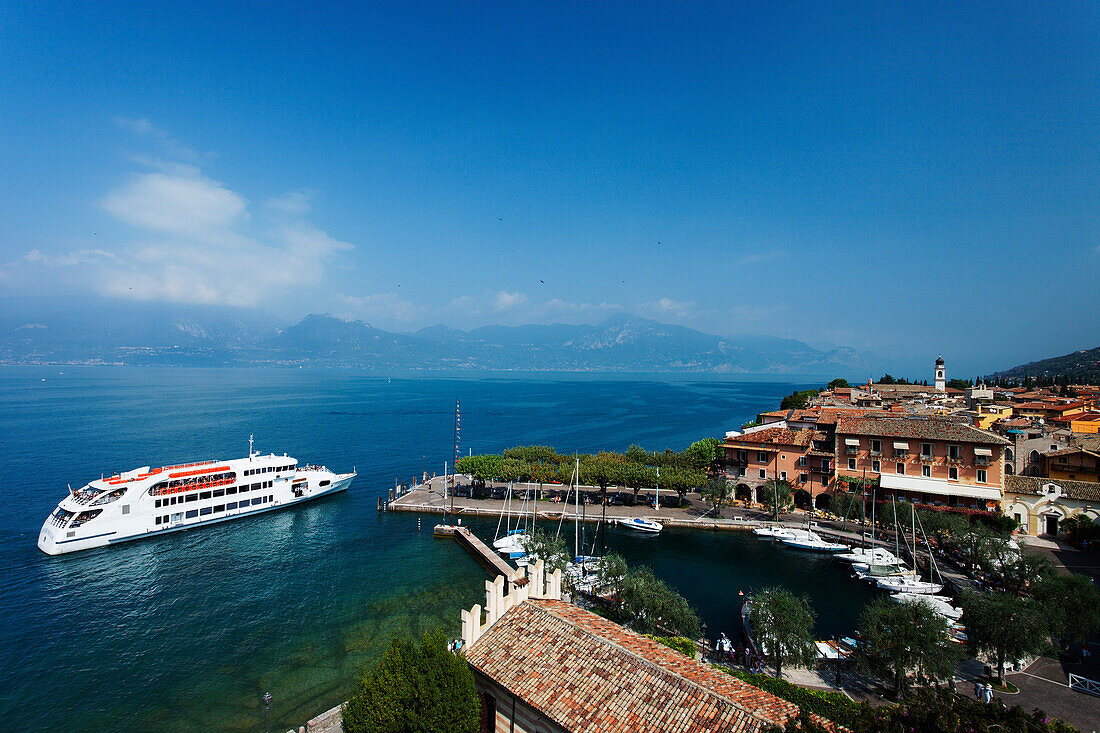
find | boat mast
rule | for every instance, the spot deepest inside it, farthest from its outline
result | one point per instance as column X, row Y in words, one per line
column 658, row 507
column 455, row 456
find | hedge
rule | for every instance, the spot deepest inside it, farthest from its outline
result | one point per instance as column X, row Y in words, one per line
column 677, row 643
column 834, row 706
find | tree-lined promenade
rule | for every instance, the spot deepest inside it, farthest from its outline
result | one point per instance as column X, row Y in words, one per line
column 634, row 470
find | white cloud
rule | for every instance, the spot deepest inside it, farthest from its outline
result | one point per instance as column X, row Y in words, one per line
column 184, row 203
column 193, row 240
column 505, row 300
column 144, row 129
column 382, row 307
column 668, row 307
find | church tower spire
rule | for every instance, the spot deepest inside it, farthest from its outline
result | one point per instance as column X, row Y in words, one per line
column 941, row 375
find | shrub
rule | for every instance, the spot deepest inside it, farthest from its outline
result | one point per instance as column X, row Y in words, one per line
column 678, row 643
column 835, row 706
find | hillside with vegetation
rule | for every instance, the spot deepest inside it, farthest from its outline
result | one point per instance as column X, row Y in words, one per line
column 1080, row 367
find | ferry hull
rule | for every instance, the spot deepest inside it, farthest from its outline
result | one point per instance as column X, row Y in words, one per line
column 53, row 540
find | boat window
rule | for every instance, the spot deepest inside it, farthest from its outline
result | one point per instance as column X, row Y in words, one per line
column 192, row 497
column 219, row 492
column 219, row 507
column 157, row 520
column 192, row 513
column 108, row 497
column 231, row 490
column 85, row 517
column 177, row 516
column 204, row 495
column 231, row 505
column 205, row 510
column 324, row 483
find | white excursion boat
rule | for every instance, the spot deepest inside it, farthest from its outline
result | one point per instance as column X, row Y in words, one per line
column 642, row 525
column 152, row 501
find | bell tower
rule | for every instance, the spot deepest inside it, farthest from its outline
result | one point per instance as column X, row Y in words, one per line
column 941, row 375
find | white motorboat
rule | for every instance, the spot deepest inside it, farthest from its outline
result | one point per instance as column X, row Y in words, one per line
column 908, row 584
column 514, row 538
column 814, row 542
column 769, row 530
column 873, row 555
column 939, row 604
column 641, row 524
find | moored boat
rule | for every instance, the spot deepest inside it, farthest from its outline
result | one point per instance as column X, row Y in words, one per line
column 642, row 525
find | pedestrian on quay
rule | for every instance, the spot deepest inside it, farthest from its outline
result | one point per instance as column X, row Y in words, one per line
column 988, row 693
column 978, row 689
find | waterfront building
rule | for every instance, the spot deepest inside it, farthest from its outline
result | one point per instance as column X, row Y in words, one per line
column 923, row 459
column 778, row 451
column 542, row 664
column 1040, row 505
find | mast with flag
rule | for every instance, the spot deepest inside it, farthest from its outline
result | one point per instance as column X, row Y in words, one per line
column 454, row 455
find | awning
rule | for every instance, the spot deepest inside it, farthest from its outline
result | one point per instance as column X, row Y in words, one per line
column 851, row 441
column 983, row 452
column 939, row 486
column 901, row 446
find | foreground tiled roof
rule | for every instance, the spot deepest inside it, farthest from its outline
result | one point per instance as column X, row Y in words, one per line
column 1080, row 490
column 916, row 428
column 776, row 436
column 590, row 675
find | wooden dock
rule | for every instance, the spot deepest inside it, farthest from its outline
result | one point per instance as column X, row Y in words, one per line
column 484, row 554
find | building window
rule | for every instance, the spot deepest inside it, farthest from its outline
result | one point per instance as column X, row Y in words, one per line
column 876, row 466
column 953, row 473
column 926, row 449
column 981, row 476
column 953, row 452
column 926, row 471
column 783, row 475
column 901, row 469
column 851, row 464
column 763, row 473
column 761, row 457
column 876, row 446
column 803, row 478
column 802, row 460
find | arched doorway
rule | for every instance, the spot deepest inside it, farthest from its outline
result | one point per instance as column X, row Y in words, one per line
column 742, row 492
column 823, row 501
column 1010, row 470
column 802, row 499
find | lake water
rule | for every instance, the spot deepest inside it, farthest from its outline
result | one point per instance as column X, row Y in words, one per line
column 185, row 632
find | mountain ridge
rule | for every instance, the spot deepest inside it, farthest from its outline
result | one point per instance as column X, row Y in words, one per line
column 124, row 332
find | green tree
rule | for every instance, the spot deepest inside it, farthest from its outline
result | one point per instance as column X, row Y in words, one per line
column 903, row 637
column 534, row 454
column 1072, row 605
column 681, row 480
column 702, row 453
column 415, row 688
column 550, row 548
column 1020, row 571
column 838, row 382
column 717, row 491
column 1004, row 626
column 653, row 607
column 782, row 625
column 944, row 527
column 797, row 400
column 776, row 496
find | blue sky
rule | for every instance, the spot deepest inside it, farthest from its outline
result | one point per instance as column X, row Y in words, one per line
column 910, row 180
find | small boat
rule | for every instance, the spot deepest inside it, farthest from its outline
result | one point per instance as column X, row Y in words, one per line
column 939, row 604
column 877, row 555
column 513, row 539
column 769, row 530
column 908, row 584
column 812, row 541
column 642, row 525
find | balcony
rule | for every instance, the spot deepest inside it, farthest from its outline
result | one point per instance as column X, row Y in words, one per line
column 981, row 460
column 927, row 459
column 851, row 451
column 876, row 453
column 901, row 455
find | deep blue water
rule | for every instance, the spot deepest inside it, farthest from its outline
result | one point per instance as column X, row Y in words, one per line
column 185, row 632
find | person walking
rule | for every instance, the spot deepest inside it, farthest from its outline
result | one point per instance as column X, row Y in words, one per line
column 988, row 693
column 978, row 690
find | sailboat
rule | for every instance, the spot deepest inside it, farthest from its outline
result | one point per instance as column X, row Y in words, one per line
column 910, row 582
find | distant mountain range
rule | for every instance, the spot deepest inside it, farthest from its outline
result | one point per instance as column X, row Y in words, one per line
column 1080, row 366
column 125, row 332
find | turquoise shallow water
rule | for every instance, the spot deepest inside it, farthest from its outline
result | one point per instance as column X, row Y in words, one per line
column 185, row 632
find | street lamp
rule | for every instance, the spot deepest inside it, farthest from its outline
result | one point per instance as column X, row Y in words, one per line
column 267, row 704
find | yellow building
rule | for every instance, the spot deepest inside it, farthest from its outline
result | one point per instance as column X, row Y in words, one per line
column 1040, row 505
column 1088, row 424
column 989, row 414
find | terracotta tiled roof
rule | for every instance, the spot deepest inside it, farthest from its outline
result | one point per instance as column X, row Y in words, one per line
column 1070, row 452
column 776, row 436
column 1080, row 490
column 590, row 675
column 926, row 428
